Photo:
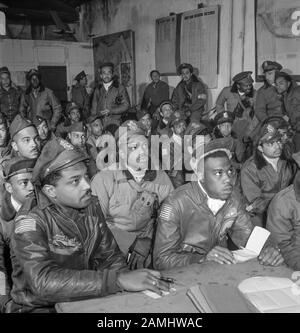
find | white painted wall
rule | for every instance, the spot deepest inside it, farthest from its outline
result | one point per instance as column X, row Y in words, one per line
column 21, row 55
column 236, row 39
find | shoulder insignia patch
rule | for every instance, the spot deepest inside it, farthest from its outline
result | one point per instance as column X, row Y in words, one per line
column 166, row 212
column 25, row 224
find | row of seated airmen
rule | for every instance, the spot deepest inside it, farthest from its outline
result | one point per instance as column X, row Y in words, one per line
column 89, row 208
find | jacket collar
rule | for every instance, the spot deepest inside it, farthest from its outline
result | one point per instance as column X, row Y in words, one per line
column 201, row 197
column 234, row 89
column 260, row 161
column 29, row 89
column 7, row 211
column 42, row 200
column 150, row 175
column 115, row 84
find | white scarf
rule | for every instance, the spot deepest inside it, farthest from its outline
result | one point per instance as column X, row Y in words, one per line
column 272, row 161
column 213, row 204
column 107, row 85
column 15, row 204
column 138, row 175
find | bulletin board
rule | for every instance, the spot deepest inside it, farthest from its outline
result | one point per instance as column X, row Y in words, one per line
column 278, row 35
column 118, row 48
column 166, row 52
column 199, row 43
column 190, row 37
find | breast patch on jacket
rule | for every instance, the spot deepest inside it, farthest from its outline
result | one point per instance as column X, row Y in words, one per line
column 61, row 244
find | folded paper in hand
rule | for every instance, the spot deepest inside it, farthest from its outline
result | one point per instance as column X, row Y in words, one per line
column 254, row 245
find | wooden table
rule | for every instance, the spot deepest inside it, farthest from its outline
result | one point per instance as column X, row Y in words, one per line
column 177, row 301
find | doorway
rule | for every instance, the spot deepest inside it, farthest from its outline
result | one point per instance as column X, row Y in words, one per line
column 55, row 78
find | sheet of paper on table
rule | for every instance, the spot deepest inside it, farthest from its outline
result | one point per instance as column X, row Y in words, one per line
column 254, row 245
column 271, row 294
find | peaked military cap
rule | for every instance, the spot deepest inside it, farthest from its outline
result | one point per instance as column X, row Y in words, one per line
column 3, row 70
column 243, row 76
column 32, row 72
column 17, row 165
column 185, row 65
column 271, row 65
column 80, row 76
column 56, row 155
column 224, row 117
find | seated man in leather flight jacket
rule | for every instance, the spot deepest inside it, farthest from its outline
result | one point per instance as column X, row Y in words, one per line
column 62, row 249
column 196, row 219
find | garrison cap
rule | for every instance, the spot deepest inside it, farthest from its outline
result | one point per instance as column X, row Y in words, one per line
column 268, row 134
column 107, row 64
column 18, row 124
column 77, row 127
column 184, row 65
column 243, row 76
column 224, row 117
column 32, row 72
column 80, row 76
column 17, row 165
column 92, row 118
column 271, row 65
column 3, row 70
column 56, row 155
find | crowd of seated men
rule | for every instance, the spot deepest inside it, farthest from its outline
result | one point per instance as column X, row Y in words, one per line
column 96, row 198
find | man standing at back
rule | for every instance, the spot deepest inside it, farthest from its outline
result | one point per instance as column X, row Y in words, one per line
column 79, row 94
column 268, row 102
column 110, row 98
column 40, row 101
column 10, row 95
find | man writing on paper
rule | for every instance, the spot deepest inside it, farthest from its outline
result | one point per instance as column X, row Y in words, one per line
column 62, row 249
column 197, row 218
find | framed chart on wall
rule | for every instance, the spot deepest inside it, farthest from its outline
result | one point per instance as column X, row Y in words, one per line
column 119, row 49
column 190, row 37
column 278, row 35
